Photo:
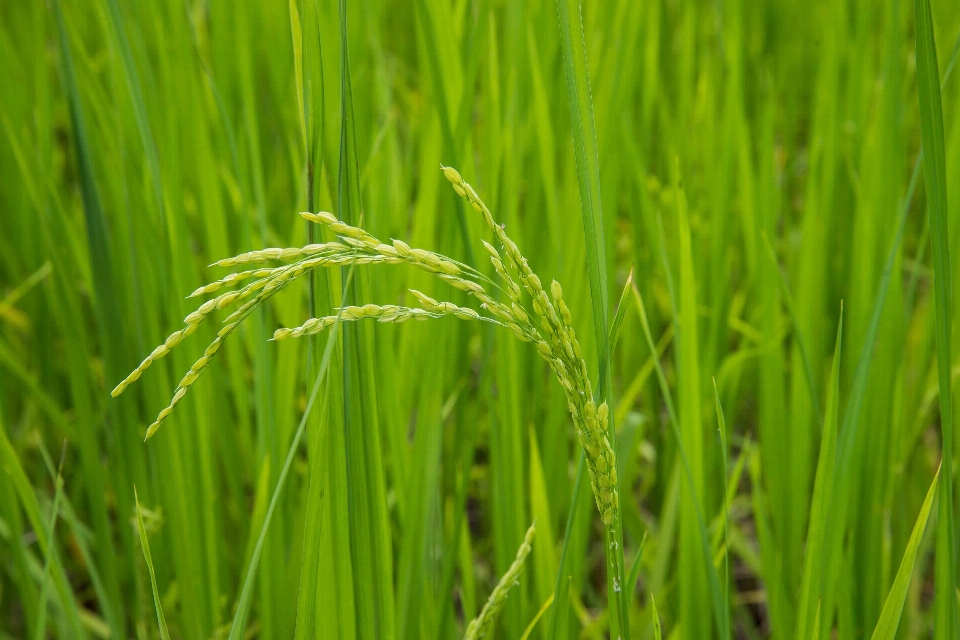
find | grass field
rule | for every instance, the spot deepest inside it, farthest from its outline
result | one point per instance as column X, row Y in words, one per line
column 755, row 260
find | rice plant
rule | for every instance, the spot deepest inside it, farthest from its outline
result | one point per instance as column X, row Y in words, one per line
column 733, row 419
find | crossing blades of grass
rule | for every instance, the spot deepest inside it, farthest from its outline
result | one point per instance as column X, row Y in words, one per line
column 243, row 603
column 713, row 580
column 41, row 631
column 28, row 501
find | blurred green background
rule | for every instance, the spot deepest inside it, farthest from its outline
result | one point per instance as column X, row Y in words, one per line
column 172, row 135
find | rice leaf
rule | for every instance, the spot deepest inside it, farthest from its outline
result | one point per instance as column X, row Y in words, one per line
column 576, row 73
column 886, row 628
column 724, row 454
column 657, row 633
column 934, row 169
column 808, row 609
column 145, row 546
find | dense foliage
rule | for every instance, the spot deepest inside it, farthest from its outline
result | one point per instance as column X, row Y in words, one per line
column 756, row 271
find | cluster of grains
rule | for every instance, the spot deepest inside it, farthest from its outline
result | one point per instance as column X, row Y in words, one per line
column 557, row 344
column 354, row 246
column 291, row 253
column 549, row 326
column 381, row 313
column 482, row 625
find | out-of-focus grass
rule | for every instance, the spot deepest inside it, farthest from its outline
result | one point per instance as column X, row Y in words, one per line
column 143, row 141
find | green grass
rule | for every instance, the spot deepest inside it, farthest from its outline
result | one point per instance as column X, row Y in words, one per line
column 777, row 177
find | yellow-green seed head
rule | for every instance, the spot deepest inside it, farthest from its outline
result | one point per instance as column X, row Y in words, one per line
column 519, row 313
column 556, row 290
column 426, row 301
column 534, row 283
column 452, row 175
column 207, row 306
column 544, row 349
column 602, row 412
column 449, row 268
column 465, row 313
column 470, row 193
column 590, row 409
column 213, row 347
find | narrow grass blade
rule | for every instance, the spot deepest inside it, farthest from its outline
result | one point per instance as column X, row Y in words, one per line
column 657, row 633
column 808, row 609
column 621, row 311
column 722, row 428
column 308, row 65
column 588, row 168
column 536, row 618
column 145, row 545
column 634, row 574
column 577, row 74
column 934, row 169
column 886, row 628
column 693, row 579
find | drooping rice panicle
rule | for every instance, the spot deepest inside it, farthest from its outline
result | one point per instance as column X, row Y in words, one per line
column 230, row 280
column 554, row 338
column 382, row 313
column 291, row 253
column 561, row 351
column 192, row 322
column 230, row 324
